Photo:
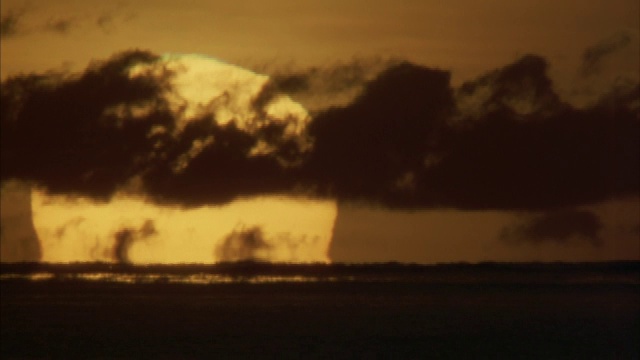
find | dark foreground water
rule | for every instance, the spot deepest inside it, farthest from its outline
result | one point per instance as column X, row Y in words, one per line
column 249, row 310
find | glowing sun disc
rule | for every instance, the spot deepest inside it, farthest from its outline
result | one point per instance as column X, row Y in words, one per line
column 131, row 229
column 79, row 230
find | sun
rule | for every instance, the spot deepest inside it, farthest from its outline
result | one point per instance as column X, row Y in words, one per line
column 131, row 228
column 269, row 228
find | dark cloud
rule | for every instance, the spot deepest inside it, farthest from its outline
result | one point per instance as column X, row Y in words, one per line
column 558, row 226
column 95, row 133
column 105, row 22
column 522, row 88
column 243, row 244
column 503, row 141
column 220, row 171
column 331, row 85
column 126, row 237
column 60, row 26
column 372, row 148
column 567, row 157
column 109, row 21
column 57, row 131
column 251, row 244
column 10, row 23
column 593, row 57
column 334, row 78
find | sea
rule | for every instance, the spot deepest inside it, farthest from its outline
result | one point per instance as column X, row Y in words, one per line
column 254, row 310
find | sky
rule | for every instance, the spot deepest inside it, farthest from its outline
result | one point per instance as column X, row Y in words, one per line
column 411, row 131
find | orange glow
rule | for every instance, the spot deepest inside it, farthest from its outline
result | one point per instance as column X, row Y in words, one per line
column 197, row 279
column 78, row 230
column 268, row 228
column 201, row 85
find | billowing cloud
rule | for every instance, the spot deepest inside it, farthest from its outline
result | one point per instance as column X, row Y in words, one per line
column 503, row 141
column 521, row 88
column 539, row 152
column 131, row 122
column 57, row 130
column 375, row 147
column 134, row 123
column 557, row 226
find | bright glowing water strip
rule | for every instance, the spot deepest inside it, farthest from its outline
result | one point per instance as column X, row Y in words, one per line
column 201, row 278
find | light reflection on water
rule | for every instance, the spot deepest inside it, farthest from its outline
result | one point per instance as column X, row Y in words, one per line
column 263, row 273
column 201, row 278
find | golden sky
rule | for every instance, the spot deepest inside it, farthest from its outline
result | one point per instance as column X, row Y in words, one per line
column 466, row 36
column 590, row 47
